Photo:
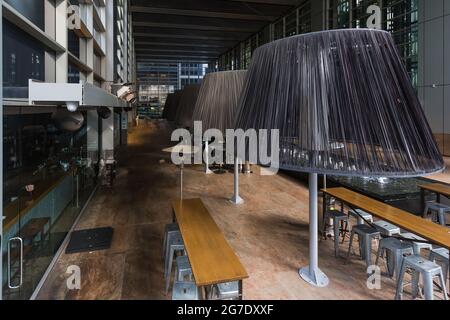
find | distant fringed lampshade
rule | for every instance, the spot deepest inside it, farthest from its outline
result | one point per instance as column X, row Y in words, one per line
column 218, row 99
column 344, row 105
column 172, row 105
column 169, row 100
column 186, row 105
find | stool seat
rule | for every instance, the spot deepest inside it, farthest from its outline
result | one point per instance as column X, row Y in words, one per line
column 417, row 246
column 441, row 252
column 387, row 229
column 421, row 264
column 185, row 291
column 361, row 215
column 438, row 211
column 437, row 206
column 228, row 290
column 183, row 268
column 365, row 229
column 395, row 251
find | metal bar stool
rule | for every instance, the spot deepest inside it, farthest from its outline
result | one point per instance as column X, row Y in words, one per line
column 395, row 250
column 365, row 234
column 438, row 212
column 185, row 291
column 175, row 244
column 386, row 229
column 226, row 291
column 183, row 268
column 441, row 257
column 420, row 266
column 339, row 219
column 361, row 215
column 417, row 246
column 169, row 229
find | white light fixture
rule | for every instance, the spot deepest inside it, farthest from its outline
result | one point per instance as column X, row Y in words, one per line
column 72, row 106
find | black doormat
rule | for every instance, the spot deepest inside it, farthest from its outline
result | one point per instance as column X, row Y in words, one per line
column 90, row 240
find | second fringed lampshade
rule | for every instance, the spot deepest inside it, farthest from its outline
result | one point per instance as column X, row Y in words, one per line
column 218, row 99
column 172, row 105
column 186, row 106
column 343, row 103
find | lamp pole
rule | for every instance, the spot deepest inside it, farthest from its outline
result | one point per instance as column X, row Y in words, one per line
column 312, row 274
column 207, row 170
column 236, row 199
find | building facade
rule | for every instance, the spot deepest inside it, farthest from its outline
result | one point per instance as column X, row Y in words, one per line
column 64, row 62
column 156, row 80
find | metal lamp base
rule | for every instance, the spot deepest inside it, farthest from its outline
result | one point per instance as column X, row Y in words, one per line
column 208, row 171
column 316, row 278
column 237, row 200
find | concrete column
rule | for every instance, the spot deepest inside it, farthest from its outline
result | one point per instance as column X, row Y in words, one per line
column 62, row 63
column 108, row 137
column 92, row 135
column 434, row 67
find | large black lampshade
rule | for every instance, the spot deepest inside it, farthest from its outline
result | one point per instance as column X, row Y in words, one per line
column 216, row 106
column 186, row 106
column 218, row 99
column 344, row 104
column 171, row 105
column 167, row 105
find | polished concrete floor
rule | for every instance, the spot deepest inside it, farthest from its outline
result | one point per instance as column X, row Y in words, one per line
column 269, row 232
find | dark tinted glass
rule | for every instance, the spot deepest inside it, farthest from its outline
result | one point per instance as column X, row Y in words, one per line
column 23, row 59
column 34, row 10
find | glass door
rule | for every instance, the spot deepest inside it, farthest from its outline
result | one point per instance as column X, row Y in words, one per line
column 49, row 172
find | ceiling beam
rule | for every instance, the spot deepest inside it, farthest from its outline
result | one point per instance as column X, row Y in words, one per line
column 273, row 2
column 187, row 50
column 183, row 36
column 159, row 42
column 191, row 26
column 200, row 13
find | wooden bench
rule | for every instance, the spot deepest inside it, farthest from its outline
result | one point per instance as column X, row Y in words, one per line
column 426, row 229
column 212, row 259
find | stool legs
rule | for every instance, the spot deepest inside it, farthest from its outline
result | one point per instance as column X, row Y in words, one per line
column 169, row 269
column 368, row 249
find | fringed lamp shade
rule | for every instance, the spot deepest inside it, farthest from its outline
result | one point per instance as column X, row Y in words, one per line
column 343, row 103
column 167, row 105
column 186, row 106
column 172, row 105
column 218, row 99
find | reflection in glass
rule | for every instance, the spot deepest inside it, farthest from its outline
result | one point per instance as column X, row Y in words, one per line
column 23, row 59
column 49, row 173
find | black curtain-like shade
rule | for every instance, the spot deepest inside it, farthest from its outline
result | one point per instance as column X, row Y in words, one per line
column 166, row 109
column 185, row 110
column 344, row 105
column 171, row 105
column 218, row 99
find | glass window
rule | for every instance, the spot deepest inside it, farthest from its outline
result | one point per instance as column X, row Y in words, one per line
column 291, row 24
column 34, row 10
column 278, row 30
column 73, row 43
column 48, row 173
column 23, row 59
column 73, row 74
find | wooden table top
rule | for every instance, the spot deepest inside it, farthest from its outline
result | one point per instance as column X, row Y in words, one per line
column 426, row 229
column 437, row 187
column 212, row 259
